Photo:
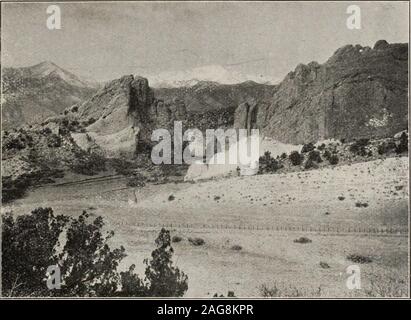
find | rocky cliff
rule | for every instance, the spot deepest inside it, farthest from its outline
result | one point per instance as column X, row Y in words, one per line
column 358, row 92
column 123, row 114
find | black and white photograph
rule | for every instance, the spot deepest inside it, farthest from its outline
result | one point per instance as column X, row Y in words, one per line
column 205, row 150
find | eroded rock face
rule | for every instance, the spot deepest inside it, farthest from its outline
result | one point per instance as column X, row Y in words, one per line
column 126, row 113
column 245, row 116
column 358, row 92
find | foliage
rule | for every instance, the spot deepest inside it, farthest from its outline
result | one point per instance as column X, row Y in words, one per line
column 90, row 164
column 357, row 258
column 307, row 147
column 34, row 242
column 333, row 159
column 358, row 147
column 327, row 154
column 310, row 164
column 385, row 147
column 196, row 241
column 54, row 141
column 28, row 249
column 302, row 240
column 164, row 279
column 17, row 141
column 283, row 290
column 296, row 158
column 403, row 145
column 136, row 180
column 12, row 189
column 268, row 164
column 176, row 239
column 315, row 156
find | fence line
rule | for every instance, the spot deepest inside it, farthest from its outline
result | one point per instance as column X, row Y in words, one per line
column 324, row 229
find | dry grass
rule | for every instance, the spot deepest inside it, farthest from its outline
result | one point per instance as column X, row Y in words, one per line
column 278, row 290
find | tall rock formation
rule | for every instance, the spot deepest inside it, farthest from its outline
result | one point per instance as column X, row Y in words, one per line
column 123, row 116
column 358, row 92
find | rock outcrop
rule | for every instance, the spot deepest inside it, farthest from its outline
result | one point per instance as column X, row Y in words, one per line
column 124, row 114
column 245, row 116
column 358, row 92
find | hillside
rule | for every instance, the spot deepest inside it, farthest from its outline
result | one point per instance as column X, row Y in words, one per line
column 206, row 95
column 31, row 94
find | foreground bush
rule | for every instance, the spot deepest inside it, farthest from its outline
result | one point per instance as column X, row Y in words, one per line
column 315, row 156
column 32, row 243
column 403, row 145
column 333, row 159
column 296, row 158
column 267, row 164
column 307, row 147
column 386, row 147
column 310, row 164
column 358, row 147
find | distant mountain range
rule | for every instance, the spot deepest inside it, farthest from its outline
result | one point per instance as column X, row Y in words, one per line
column 358, row 92
column 207, row 73
column 31, row 94
column 204, row 96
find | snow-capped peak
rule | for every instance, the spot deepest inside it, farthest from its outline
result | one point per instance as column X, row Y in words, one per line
column 209, row 73
column 48, row 68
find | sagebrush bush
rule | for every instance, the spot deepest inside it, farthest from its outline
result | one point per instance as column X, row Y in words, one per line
column 357, row 258
column 176, row 239
column 136, row 180
column 315, row 156
column 403, row 145
column 267, row 164
column 310, row 164
column 358, row 147
column 307, row 147
column 54, row 141
column 303, row 240
column 333, row 159
column 196, row 241
column 327, row 154
column 296, row 158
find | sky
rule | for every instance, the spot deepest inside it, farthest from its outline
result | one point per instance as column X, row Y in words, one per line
column 237, row 40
